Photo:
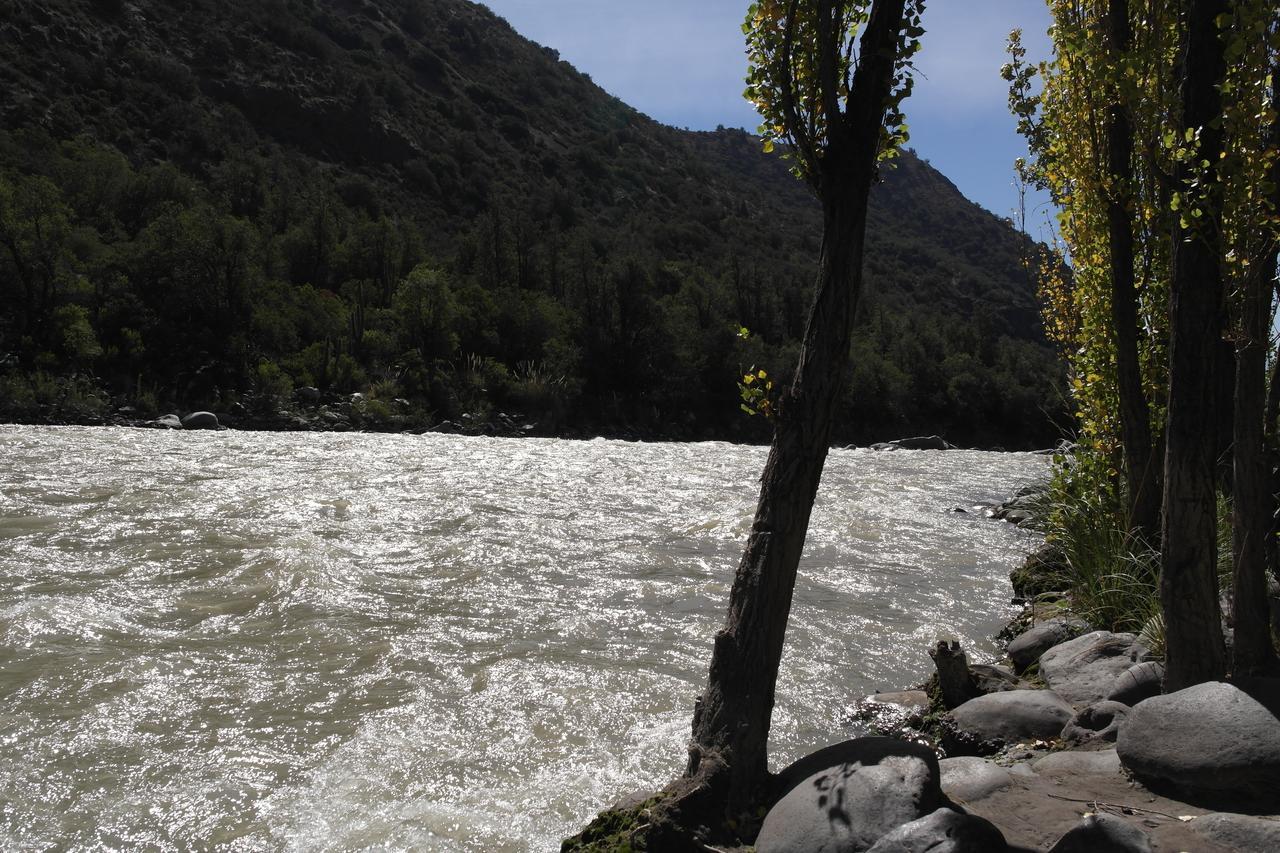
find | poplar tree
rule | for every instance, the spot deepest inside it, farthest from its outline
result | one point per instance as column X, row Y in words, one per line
column 1157, row 122
column 1194, row 648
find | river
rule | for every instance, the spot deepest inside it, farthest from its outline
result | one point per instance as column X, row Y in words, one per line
column 292, row 641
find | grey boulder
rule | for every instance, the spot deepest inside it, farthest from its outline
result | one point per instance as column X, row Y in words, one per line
column 1238, row 832
column 1027, row 647
column 1138, row 682
column 167, row 422
column 943, row 831
column 1097, row 723
column 1083, row 670
column 201, row 420
column 911, row 701
column 1103, row 833
column 1213, row 743
column 845, row 807
column 993, row 679
column 924, row 442
column 988, row 722
column 967, row 778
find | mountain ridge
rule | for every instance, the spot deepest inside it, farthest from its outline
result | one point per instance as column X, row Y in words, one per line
column 514, row 170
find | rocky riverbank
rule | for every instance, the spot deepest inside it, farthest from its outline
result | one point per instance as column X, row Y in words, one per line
column 1064, row 745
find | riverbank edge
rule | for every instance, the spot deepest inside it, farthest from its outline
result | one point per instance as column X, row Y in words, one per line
column 1037, row 585
column 1080, row 793
column 358, row 414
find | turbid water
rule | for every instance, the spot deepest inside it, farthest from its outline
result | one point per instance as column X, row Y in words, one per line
column 256, row 641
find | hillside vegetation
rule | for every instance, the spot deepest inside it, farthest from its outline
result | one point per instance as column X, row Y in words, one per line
column 227, row 204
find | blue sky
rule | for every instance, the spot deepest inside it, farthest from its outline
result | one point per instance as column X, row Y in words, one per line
column 682, row 62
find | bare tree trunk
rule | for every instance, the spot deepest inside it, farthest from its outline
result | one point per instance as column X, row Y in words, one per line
column 1195, row 651
column 1142, row 466
column 732, row 718
column 1255, row 503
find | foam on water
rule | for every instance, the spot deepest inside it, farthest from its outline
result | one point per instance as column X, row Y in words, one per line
column 301, row 641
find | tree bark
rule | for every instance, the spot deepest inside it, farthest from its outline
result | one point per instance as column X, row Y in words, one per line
column 1142, row 465
column 1195, row 651
column 955, row 681
column 731, row 720
column 1255, row 503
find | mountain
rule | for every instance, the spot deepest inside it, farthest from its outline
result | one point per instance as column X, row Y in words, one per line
column 405, row 198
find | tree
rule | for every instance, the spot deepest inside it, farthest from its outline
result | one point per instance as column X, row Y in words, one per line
column 1152, row 135
column 1141, row 459
column 839, row 114
column 1094, row 135
column 837, row 110
column 1194, row 650
column 1253, row 155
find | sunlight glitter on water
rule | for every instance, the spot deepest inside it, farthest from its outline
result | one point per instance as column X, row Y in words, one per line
column 300, row 641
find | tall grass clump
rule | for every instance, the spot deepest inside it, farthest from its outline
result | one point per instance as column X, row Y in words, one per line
column 1113, row 580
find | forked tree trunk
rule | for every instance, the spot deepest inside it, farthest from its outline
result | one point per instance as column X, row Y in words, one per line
column 732, row 717
column 1194, row 646
column 1255, row 504
column 1142, row 464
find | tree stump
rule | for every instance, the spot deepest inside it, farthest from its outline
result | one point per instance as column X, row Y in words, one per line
column 954, row 679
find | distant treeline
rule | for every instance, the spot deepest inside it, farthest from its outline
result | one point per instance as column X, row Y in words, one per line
column 147, row 287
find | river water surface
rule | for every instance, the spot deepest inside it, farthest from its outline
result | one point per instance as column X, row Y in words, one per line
column 260, row 641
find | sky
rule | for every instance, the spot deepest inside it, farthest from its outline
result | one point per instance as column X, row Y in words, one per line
column 682, row 62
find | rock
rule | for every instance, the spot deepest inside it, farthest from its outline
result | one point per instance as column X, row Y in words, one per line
column 862, row 750
column 888, row 713
column 874, row 787
column 1138, row 682
column 910, row 700
column 1042, row 573
column 1238, row 832
column 166, row 422
column 1016, row 510
column 200, row 420
column 943, row 831
column 967, row 778
column 1097, row 723
column 993, row 679
column 1027, row 648
column 987, row 723
column 1078, row 763
column 1103, row 833
column 1214, row 743
column 307, row 395
column 921, row 442
column 924, row 442
column 1083, row 670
